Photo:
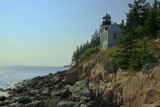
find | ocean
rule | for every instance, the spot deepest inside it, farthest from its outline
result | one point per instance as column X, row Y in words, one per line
column 9, row 75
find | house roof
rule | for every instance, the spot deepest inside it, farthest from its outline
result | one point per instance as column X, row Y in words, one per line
column 113, row 25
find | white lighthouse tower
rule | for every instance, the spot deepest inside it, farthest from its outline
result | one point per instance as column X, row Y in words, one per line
column 104, row 27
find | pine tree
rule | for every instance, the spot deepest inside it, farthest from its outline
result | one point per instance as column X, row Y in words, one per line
column 131, row 32
column 127, row 46
column 153, row 21
column 140, row 58
column 138, row 12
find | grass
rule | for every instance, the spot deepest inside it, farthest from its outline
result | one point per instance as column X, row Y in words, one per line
column 153, row 47
column 99, row 55
column 107, row 54
column 88, row 55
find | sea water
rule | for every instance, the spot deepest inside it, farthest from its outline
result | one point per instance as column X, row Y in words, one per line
column 9, row 75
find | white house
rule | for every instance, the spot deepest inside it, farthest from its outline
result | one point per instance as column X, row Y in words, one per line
column 109, row 33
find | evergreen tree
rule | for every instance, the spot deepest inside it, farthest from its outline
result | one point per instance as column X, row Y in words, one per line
column 153, row 20
column 138, row 12
column 95, row 41
column 130, row 54
column 140, row 58
column 127, row 46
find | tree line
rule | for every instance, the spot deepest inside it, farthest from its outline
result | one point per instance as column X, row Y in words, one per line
column 95, row 41
column 143, row 21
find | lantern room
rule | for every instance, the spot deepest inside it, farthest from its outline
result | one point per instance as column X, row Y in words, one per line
column 106, row 20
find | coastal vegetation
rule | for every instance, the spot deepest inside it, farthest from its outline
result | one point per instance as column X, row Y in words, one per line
column 143, row 23
column 137, row 43
column 92, row 81
column 85, row 50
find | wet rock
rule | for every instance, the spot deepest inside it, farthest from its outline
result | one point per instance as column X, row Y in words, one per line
column 45, row 90
column 65, row 93
column 91, row 104
column 2, row 98
column 2, row 103
column 14, row 104
column 1, row 89
column 58, row 86
column 157, row 41
column 19, row 90
column 148, row 66
column 80, row 103
column 36, row 104
column 24, row 100
column 74, row 74
column 80, row 91
column 66, row 104
column 33, row 92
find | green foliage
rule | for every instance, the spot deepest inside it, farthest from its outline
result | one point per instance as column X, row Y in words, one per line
column 138, row 13
column 95, row 41
column 127, row 45
column 140, row 30
column 158, row 34
column 142, row 20
column 140, row 58
column 89, row 52
column 152, row 23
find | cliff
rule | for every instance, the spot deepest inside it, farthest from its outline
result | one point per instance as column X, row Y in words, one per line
column 123, row 88
column 90, row 83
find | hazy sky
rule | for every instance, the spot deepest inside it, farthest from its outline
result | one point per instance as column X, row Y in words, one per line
column 46, row 32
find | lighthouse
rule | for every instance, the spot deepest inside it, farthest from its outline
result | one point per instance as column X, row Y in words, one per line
column 106, row 23
column 106, row 20
column 109, row 33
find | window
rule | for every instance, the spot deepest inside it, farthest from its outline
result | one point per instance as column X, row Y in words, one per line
column 114, row 35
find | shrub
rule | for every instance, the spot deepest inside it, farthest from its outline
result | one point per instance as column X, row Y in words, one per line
column 89, row 52
column 139, row 59
column 158, row 34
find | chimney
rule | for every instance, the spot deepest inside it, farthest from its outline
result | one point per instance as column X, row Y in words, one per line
column 122, row 23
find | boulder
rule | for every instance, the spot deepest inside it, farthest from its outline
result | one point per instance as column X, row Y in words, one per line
column 66, row 104
column 24, row 100
column 2, row 98
column 3, row 104
column 1, row 89
column 33, row 92
column 108, row 66
column 157, row 41
column 96, row 74
column 74, row 74
column 37, row 104
column 45, row 90
column 58, row 85
column 80, row 103
column 63, row 93
column 80, row 91
column 91, row 104
column 87, row 68
column 103, row 71
column 147, row 67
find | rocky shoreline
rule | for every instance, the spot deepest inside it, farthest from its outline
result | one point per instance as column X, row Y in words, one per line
column 49, row 91
column 89, row 85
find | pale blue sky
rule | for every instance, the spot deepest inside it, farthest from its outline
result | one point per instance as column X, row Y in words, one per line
column 46, row 32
